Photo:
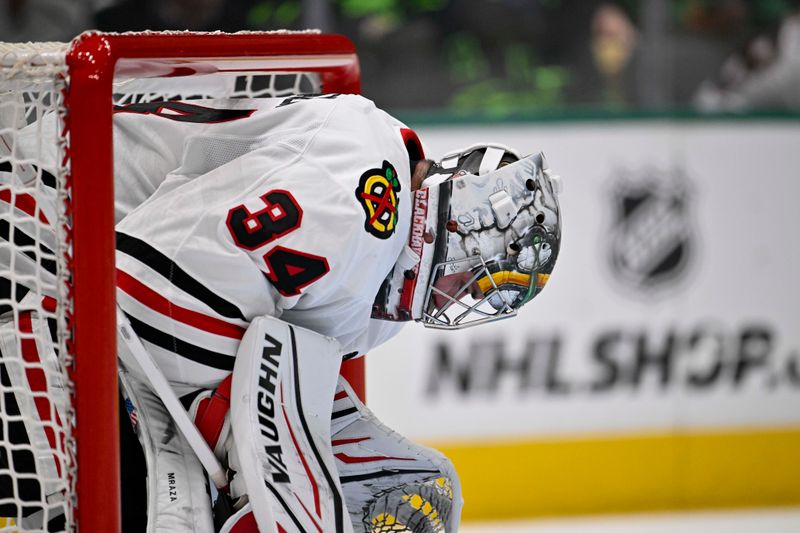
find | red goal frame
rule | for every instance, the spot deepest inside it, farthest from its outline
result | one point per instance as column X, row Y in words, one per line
column 92, row 62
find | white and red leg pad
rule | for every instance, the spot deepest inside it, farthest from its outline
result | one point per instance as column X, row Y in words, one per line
column 284, row 380
column 388, row 481
column 177, row 498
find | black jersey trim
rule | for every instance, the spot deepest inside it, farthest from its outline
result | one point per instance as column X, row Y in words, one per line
column 160, row 263
column 180, row 347
column 185, row 112
column 47, row 178
column 22, row 239
column 52, row 327
column 19, row 292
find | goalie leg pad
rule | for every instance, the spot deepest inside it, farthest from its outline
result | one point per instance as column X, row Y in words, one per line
column 281, row 396
column 177, row 498
column 390, row 483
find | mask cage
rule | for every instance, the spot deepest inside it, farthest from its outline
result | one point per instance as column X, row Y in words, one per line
column 460, row 310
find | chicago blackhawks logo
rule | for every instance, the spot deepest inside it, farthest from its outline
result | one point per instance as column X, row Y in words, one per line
column 377, row 192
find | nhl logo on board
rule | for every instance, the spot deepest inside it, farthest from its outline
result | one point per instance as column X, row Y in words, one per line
column 651, row 234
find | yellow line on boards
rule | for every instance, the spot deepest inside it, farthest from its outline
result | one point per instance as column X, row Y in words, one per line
column 628, row 473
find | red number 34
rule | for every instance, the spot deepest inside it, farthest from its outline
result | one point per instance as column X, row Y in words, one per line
column 289, row 270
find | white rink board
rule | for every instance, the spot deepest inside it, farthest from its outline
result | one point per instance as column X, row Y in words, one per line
column 719, row 327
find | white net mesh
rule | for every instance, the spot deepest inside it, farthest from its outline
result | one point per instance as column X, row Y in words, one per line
column 37, row 448
column 137, row 90
column 36, row 445
column 203, row 79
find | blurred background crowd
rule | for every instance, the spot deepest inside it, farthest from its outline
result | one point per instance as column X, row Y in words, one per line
column 501, row 56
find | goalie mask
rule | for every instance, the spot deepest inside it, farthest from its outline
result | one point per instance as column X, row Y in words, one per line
column 485, row 234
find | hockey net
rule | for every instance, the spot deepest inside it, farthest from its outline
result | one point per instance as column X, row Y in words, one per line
column 58, row 443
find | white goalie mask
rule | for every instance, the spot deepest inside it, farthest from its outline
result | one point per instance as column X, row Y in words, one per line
column 485, row 235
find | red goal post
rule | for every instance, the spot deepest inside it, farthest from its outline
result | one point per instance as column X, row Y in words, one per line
column 84, row 79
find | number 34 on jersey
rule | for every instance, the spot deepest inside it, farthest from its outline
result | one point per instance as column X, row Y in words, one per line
column 288, row 270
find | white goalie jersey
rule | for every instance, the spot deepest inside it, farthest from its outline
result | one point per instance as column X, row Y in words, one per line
column 294, row 208
column 231, row 209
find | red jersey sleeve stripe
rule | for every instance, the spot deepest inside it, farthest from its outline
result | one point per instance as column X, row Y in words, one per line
column 172, row 272
column 150, row 298
column 24, row 202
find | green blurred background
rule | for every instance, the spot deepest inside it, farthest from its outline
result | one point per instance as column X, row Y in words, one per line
column 503, row 58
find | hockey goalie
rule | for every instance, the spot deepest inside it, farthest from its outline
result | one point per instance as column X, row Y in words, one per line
column 262, row 242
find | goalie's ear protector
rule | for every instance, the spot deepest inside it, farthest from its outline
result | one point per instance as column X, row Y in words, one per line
column 485, row 234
